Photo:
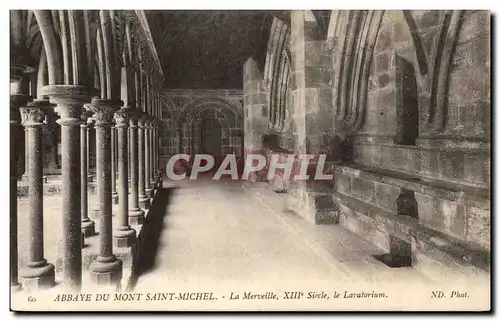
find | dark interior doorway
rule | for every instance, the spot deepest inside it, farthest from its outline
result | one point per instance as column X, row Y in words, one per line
column 211, row 137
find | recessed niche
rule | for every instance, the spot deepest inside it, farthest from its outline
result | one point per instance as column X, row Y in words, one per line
column 406, row 204
column 399, row 254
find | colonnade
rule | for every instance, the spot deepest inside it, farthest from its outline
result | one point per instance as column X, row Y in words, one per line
column 110, row 88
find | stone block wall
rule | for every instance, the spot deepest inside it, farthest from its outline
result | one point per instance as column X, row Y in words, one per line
column 459, row 151
column 399, row 101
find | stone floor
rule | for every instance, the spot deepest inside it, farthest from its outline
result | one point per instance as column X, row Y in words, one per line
column 231, row 236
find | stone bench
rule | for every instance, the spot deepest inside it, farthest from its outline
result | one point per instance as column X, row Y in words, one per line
column 448, row 224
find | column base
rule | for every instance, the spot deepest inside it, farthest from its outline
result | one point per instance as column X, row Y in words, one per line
column 144, row 202
column 94, row 214
column 41, row 276
column 125, row 237
column 88, row 228
column 136, row 217
column 114, row 198
column 149, row 192
column 105, row 271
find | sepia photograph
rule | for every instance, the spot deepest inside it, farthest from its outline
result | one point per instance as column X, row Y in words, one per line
column 250, row 160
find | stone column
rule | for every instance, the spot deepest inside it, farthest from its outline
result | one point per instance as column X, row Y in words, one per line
column 157, row 148
column 114, row 194
column 88, row 226
column 129, row 156
column 153, row 156
column 136, row 216
column 143, row 198
column 90, row 124
column 25, row 176
column 38, row 273
column 70, row 100
column 152, row 174
column 53, row 164
column 157, row 155
column 147, row 158
column 16, row 101
column 124, row 236
column 106, row 269
column 94, row 213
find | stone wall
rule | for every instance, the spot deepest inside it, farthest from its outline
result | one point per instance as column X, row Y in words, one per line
column 399, row 101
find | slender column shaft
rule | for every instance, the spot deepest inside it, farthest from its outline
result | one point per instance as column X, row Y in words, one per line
column 71, row 204
column 157, row 152
column 155, row 159
column 83, row 155
column 147, row 157
column 123, row 175
column 35, row 170
column 26, row 152
column 143, row 199
column 136, row 214
column 156, row 149
column 152, row 161
column 130, row 156
column 88, row 226
column 94, row 212
column 70, row 100
column 124, row 235
column 114, row 195
column 38, row 273
column 106, row 269
column 53, row 162
column 151, row 155
column 88, row 148
column 103, row 134
column 71, row 199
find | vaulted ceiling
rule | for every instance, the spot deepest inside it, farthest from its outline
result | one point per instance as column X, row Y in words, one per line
column 207, row 49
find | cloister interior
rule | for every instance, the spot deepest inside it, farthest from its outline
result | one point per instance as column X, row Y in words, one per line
column 398, row 101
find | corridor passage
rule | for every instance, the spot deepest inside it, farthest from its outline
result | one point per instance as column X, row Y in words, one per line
column 233, row 236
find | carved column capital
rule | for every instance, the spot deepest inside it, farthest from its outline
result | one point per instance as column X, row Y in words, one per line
column 32, row 116
column 47, row 108
column 123, row 116
column 103, row 110
column 86, row 116
column 143, row 119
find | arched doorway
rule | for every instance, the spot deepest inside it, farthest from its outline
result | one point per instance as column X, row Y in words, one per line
column 211, row 135
column 211, row 125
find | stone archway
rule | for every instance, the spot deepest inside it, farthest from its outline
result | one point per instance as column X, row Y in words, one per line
column 211, row 125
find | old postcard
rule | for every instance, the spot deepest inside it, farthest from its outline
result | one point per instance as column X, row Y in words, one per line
column 294, row 160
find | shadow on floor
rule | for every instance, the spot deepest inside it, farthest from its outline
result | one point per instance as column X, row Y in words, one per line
column 149, row 237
